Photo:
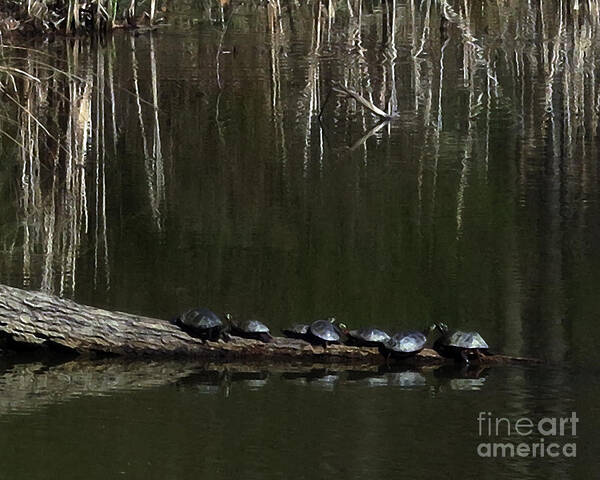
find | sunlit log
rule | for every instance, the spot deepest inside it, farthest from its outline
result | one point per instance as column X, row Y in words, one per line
column 36, row 319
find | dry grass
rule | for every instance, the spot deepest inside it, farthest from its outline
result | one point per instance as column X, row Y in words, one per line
column 74, row 16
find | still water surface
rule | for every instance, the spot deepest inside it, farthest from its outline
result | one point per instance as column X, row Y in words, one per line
column 196, row 171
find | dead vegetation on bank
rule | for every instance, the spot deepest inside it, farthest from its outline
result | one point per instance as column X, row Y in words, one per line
column 76, row 16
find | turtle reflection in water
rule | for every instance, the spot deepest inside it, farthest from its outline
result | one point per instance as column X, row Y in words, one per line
column 461, row 376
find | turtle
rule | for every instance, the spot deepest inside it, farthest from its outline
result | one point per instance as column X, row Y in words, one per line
column 403, row 344
column 367, row 337
column 325, row 332
column 462, row 346
column 250, row 329
column 200, row 323
column 298, row 330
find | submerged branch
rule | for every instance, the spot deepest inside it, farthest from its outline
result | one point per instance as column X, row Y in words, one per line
column 362, row 140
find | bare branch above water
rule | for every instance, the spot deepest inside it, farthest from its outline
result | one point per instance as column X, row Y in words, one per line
column 363, row 101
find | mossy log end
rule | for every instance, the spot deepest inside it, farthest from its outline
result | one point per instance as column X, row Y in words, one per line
column 38, row 319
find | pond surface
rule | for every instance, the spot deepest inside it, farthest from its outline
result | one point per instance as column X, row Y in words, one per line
column 191, row 167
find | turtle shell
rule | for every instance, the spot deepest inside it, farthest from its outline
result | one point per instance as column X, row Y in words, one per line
column 199, row 319
column 367, row 335
column 325, row 331
column 253, row 326
column 298, row 330
column 200, row 322
column 405, row 342
column 465, row 340
column 252, row 329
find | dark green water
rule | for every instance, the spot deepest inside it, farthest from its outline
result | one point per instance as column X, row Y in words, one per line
column 479, row 206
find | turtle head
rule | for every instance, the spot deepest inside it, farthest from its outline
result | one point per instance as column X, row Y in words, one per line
column 339, row 325
column 428, row 330
column 333, row 320
column 226, row 324
column 441, row 327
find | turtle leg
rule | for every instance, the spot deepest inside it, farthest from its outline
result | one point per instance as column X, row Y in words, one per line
column 265, row 338
column 465, row 357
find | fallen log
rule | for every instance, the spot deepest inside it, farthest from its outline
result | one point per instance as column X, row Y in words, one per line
column 37, row 319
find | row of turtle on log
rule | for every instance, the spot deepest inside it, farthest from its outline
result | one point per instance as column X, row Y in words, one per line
column 462, row 346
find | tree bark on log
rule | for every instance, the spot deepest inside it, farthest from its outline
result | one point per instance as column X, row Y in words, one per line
column 41, row 320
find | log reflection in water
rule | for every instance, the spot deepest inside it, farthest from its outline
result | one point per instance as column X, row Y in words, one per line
column 28, row 387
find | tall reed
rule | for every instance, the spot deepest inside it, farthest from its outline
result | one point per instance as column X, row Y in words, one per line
column 75, row 16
